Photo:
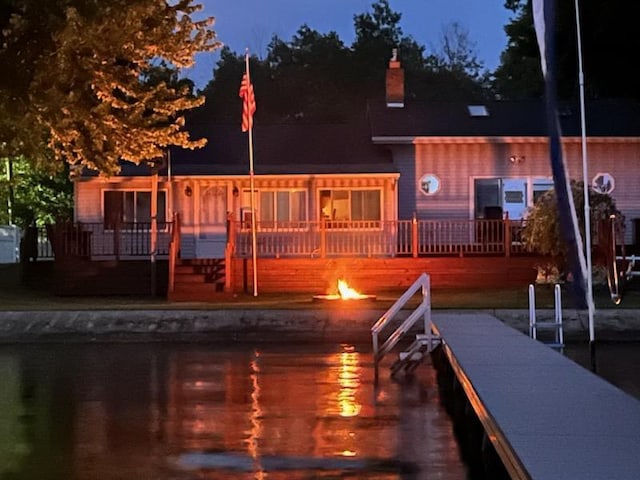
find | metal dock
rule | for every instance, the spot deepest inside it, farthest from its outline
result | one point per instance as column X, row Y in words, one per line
column 545, row 416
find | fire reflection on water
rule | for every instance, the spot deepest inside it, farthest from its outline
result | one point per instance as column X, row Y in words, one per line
column 255, row 416
column 136, row 411
column 349, row 382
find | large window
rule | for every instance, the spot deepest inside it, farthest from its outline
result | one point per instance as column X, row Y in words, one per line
column 282, row 206
column 126, row 208
column 488, row 196
column 350, row 205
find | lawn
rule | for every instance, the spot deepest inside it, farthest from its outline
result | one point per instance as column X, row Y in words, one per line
column 16, row 296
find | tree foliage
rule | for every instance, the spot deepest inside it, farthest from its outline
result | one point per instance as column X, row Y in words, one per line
column 36, row 196
column 316, row 77
column 609, row 43
column 542, row 232
column 85, row 88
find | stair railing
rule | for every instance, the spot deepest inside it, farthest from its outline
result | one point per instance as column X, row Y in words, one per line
column 422, row 311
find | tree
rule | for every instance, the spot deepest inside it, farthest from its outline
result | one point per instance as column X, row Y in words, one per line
column 315, row 77
column 541, row 233
column 608, row 43
column 39, row 196
column 84, row 90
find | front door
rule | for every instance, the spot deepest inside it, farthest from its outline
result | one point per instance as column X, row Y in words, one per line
column 212, row 227
column 514, row 197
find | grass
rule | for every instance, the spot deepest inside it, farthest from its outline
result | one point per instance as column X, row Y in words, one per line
column 14, row 295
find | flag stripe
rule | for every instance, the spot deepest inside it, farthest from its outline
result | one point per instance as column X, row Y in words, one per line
column 248, row 103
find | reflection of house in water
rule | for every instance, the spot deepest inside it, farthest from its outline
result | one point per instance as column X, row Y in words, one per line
column 264, row 407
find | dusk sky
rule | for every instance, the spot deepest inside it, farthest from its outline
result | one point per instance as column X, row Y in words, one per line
column 250, row 24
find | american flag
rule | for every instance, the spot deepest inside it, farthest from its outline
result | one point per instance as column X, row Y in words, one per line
column 248, row 103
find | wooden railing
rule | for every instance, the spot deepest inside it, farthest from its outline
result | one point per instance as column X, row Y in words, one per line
column 302, row 239
column 123, row 240
column 380, row 238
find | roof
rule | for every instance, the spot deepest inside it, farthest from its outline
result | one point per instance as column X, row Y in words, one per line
column 279, row 149
column 604, row 118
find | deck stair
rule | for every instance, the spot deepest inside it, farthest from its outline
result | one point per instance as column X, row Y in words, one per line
column 198, row 279
column 554, row 326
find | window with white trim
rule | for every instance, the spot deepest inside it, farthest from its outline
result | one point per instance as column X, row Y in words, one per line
column 351, row 205
column 128, row 207
column 282, row 206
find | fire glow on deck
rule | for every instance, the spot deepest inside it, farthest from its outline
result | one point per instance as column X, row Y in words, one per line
column 345, row 293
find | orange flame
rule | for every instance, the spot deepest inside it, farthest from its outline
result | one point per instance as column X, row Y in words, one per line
column 348, row 293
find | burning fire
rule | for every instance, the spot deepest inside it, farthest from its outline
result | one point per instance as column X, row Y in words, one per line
column 348, row 293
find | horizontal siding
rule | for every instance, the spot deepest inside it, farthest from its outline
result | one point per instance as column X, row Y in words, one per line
column 377, row 275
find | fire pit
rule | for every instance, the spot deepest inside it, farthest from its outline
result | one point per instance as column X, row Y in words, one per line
column 345, row 293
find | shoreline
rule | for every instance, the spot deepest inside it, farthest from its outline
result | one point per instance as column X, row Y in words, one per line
column 272, row 325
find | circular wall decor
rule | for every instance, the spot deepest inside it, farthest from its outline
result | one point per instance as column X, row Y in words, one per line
column 603, row 183
column 429, row 184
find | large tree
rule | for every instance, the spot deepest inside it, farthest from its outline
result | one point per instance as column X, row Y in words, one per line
column 84, row 87
column 609, row 45
column 315, row 77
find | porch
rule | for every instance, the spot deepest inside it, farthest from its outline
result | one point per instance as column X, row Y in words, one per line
column 302, row 256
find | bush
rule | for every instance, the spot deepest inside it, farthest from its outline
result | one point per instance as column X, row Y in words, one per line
column 542, row 232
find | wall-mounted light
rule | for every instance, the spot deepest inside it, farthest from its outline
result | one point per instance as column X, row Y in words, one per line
column 235, row 191
column 517, row 159
column 187, row 191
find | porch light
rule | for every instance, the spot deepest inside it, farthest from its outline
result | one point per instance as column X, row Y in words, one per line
column 517, row 159
column 187, row 191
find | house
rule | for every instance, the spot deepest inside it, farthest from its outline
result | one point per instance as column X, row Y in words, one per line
column 381, row 197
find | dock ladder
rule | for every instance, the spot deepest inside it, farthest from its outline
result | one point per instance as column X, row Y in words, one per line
column 423, row 343
column 555, row 326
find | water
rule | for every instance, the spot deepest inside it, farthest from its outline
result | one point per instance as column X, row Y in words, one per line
column 197, row 411
column 617, row 362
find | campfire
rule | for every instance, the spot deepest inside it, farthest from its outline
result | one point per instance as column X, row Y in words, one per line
column 344, row 292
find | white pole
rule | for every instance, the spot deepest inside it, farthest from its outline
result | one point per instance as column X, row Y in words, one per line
column 585, row 179
column 253, row 202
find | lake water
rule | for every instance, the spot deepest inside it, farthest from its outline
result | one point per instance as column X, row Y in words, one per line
column 187, row 411
column 210, row 411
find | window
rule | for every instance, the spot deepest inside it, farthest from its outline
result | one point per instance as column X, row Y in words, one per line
column 540, row 187
column 603, row 183
column 487, row 193
column 429, row 184
column 130, row 207
column 350, row 205
column 282, row 206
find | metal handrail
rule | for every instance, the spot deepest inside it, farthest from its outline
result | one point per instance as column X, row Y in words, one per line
column 423, row 310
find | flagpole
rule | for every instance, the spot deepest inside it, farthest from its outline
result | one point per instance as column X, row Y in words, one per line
column 252, row 195
column 585, row 181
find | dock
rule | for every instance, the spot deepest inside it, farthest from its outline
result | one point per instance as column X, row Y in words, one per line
column 545, row 416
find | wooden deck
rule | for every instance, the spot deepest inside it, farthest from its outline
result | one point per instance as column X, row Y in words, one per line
column 373, row 275
column 546, row 417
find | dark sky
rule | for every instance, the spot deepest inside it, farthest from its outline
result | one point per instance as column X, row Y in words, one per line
column 250, row 24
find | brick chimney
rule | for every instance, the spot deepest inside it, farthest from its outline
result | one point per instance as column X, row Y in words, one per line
column 395, row 82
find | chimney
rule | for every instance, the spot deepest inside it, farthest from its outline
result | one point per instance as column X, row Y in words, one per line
column 395, row 82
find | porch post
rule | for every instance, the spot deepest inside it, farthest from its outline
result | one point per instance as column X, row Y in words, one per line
column 507, row 235
column 414, row 236
column 323, row 238
column 228, row 252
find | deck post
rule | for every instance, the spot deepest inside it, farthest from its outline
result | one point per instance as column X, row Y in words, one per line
column 507, row 236
column 414, row 236
column 323, row 238
column 228, row 253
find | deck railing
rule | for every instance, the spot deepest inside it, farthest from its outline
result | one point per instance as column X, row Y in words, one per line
column 304, row 239
column 119, row 241
column 381, row 238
